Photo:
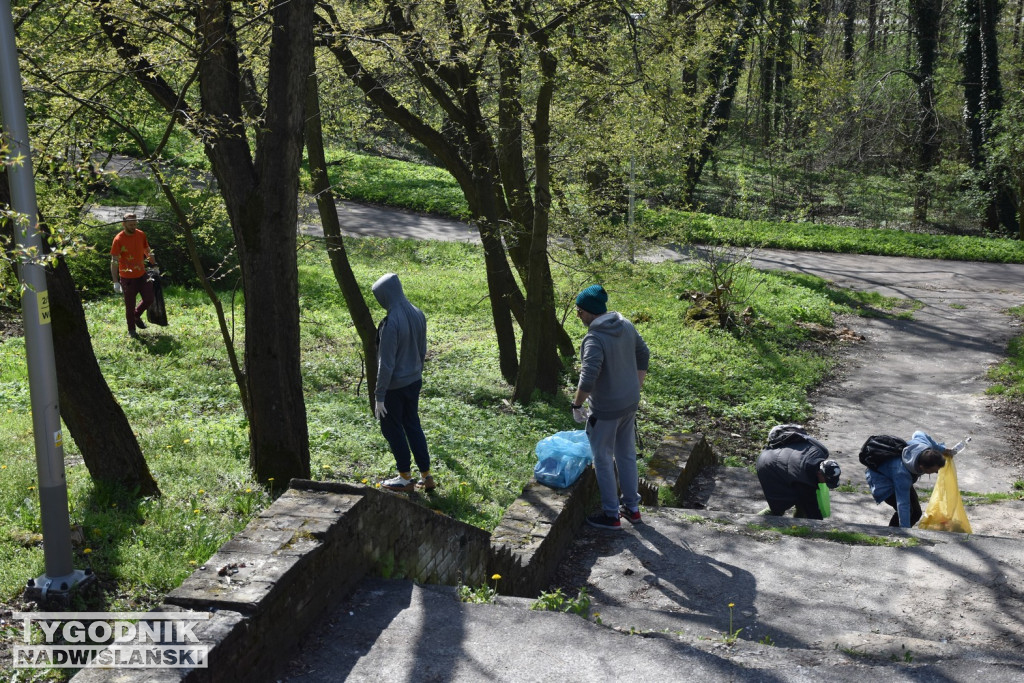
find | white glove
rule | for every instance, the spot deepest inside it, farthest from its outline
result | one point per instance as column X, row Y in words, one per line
column 379, row 411
column 581, row 414
column 117, row 288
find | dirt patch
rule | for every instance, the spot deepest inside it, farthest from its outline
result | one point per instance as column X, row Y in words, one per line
column 10, row 323
column 1012, row 412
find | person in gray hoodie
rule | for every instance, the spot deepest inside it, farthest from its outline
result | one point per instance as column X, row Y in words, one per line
column 401, row 349
column 614, row 360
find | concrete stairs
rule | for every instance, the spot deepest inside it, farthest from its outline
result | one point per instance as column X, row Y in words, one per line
column 718, row 593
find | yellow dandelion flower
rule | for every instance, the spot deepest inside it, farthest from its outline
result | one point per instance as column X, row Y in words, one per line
column 201, row 491
column 732, row 604
column 86, row 551
column 496, row 577
column 248, row 490
column 3, row 467
column 365, row 480
column 196, row 511
column 187, row 441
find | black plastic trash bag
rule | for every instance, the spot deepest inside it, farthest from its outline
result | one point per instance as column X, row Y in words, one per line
column 157, row 313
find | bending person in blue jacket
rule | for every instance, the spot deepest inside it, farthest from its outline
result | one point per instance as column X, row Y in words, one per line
column 893, row 481
column 401, row 349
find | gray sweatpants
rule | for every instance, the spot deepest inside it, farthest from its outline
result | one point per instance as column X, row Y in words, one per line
column 613, row 443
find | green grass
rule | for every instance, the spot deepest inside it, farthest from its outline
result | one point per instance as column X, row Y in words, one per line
column 377, row 180
column 975, row 498
column 1008, row 375
column 685, row 227
column 837, row 536
column 179, row 395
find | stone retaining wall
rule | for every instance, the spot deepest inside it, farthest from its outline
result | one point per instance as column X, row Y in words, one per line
column 677, row 460
column 267, row 586
column 532, row 538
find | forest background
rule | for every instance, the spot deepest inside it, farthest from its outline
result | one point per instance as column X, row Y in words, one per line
column 855, row 125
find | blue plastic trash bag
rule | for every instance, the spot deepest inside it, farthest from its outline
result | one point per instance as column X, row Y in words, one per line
column 561, row 458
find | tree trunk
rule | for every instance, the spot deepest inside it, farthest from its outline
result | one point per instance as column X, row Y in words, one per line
column 813, row 35
column 776, row 66
column 924, row 17
column 1016, row 28
column 261, row 196
column 535, row 368
column 718, row 105
column 872, row 25
column 93, row 416
column 849, row 32
column 346, row 279
column 983, row 94
column 260, row 192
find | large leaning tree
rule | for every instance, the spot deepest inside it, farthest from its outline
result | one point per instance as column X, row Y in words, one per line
column 474, row 83
column 234, row 75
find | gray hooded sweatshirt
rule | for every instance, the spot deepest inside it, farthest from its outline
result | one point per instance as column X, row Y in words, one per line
column 611, row 353
column 401, row 338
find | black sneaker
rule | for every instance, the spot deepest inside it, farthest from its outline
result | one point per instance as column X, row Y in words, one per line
column 632, row 515
column 138, row 322
column 603, row 521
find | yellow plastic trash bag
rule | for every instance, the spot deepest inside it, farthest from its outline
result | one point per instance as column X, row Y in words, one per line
column 945, row 510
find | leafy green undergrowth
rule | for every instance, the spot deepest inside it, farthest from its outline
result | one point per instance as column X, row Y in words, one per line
column 837, row 536
column 392, row 182
column 179, row 395
column 1008, row 375
column 696, row 228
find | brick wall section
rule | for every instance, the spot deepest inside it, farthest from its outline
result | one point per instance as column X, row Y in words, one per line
column 677, row 460
column 401, row 538
column 535, row 533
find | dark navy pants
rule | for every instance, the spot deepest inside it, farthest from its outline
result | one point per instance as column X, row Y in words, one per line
column 401, row 427
column 915, row 508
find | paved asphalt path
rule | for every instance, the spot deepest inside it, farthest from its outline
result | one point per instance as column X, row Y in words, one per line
column 928, row 372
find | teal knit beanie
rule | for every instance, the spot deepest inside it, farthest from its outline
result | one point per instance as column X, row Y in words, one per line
column 593, row 299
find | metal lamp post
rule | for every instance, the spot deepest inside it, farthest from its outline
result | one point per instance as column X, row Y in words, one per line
column 60, row 576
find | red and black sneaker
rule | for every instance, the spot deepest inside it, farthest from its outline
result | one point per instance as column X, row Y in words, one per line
column 603, row 521
column 632, row 515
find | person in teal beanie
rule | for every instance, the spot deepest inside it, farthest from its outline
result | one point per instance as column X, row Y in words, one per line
column 614, row 360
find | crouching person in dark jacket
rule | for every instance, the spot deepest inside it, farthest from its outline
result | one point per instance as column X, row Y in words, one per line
column 790, row 469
